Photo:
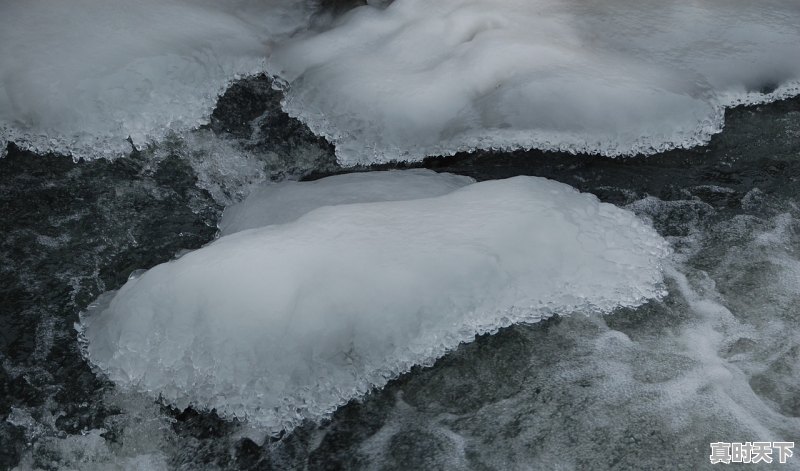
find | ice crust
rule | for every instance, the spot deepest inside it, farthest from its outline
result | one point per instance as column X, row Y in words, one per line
column 81, row 76
column 287, row 322
column 286, row 201
column 396, row 80
column 612, row 77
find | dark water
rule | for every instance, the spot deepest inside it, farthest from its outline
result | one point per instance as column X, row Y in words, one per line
column 717, row 360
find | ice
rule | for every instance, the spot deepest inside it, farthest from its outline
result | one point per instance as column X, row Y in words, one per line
column 286, row 201
column 80, row 77
column 716, row 360
column 399, row 80
column 612, row 77
column 287, row 322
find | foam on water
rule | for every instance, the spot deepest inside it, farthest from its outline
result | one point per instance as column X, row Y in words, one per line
column 612, row 77
column 286, row 201
column 80, row 77
column 142, row 434
column 287, row 322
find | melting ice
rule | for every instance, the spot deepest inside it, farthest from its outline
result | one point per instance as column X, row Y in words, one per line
column 286, row 322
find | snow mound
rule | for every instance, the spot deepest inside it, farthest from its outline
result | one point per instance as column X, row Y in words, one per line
column 286, row 201
column 79, row 77
column 613, row 77
column 288, row 322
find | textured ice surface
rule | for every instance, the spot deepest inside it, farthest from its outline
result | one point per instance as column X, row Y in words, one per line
column 613, row 76
column 287, row 322
column 82, row 76
column 718, row 357
column 286, row 201
column 400, row 81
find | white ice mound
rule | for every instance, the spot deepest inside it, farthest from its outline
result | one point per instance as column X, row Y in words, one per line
column 288, row 322
column 607, row 76
column 81, row 76
column 282, row 202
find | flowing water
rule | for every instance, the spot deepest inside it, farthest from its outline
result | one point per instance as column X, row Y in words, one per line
column 397, row 332
column 716, row 359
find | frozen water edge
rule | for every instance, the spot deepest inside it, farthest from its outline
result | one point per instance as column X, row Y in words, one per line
column 617, row 391
column 613, row 78
column 349, row 152
column 519, row 396
column 288, row 322
column 625, row 94
column 82, row 78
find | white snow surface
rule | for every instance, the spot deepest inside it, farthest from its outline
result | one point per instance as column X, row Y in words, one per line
column 277, row 203
column 613, row 77
column 81, row 76
column 396, row 80
column 287, row 322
